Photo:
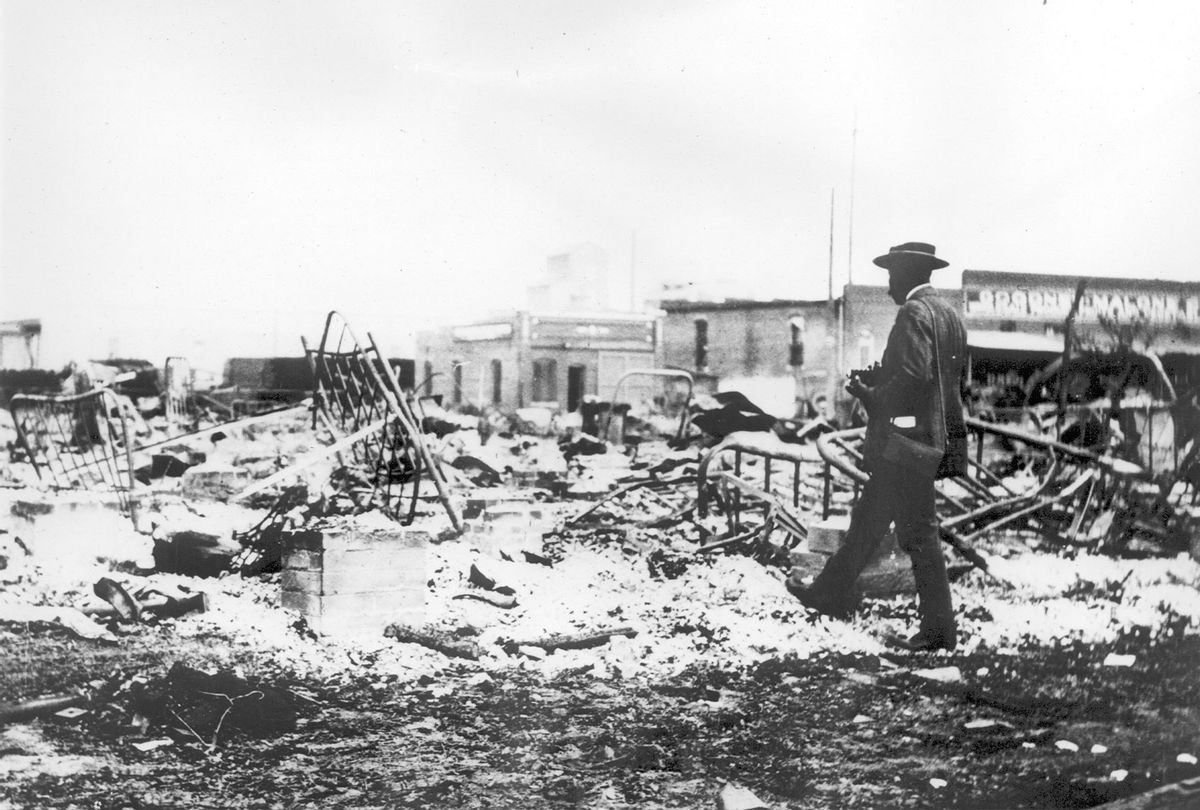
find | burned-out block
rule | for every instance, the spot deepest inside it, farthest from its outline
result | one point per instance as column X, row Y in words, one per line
column 826, row 536
column 354, row 582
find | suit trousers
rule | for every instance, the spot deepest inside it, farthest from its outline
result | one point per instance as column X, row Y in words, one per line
column 893, row 494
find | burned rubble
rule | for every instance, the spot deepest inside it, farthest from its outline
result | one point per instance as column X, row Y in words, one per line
column 272, row 571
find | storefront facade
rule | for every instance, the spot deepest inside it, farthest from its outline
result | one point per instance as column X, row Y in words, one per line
column 529, row 359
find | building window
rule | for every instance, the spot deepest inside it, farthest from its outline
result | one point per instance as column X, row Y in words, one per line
column 545, row 380
column 428, row 381
column 701, row 344
column 457, row 395
column 796, row 327
column 497, row 379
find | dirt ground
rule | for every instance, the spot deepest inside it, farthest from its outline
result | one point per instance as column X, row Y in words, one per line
column 832, row 730
column 1073, row 685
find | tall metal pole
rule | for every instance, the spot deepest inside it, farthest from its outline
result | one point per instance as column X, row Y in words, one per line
column 850, row 224
column 633, row 307
column 831, row 193
column 833, row 312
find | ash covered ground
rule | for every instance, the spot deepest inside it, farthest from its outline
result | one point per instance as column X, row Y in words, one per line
column 614, row 663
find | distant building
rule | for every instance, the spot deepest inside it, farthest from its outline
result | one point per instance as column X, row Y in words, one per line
column 20, row 343
column 775, row 352
column 570, row 342
column 1014, row 326
column 522, row 359
column 579, row 280
column 1018, row 319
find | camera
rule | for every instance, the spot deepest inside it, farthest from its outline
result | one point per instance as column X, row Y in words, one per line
column 868, row 376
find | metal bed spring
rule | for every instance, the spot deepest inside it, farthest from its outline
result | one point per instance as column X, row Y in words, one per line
column 1073, row 481
column 355, row 387
column 80, row 440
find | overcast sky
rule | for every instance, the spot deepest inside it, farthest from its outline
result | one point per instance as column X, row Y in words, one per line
column 208, row 178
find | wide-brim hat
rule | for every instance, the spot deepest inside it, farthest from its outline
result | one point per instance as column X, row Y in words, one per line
column 917, row 255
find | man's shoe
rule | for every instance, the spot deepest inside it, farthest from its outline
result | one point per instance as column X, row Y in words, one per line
column 811, row 601
column 922, row 642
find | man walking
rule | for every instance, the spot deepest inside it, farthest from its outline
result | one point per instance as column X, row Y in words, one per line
column 915, row 434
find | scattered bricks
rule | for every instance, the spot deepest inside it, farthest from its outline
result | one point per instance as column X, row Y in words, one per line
column 505, row 526
column 214, row 483
column 355, row 583
column 519, row 512
column 489, row 497
column 539, row 479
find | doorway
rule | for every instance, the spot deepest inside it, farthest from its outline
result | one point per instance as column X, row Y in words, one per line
column 575, row 375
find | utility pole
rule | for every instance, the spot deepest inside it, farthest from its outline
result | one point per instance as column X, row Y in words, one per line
column 633, row 307
column 831, row 195
column 850, row 224
column 836, row 363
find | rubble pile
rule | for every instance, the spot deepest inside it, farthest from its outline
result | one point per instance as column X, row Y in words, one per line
column 371, row 539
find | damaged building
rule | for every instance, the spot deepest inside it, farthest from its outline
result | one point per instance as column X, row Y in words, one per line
column 572, row 341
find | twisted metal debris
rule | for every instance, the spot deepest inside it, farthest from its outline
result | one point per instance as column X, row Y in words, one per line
column 356, row 389
column 78, row 441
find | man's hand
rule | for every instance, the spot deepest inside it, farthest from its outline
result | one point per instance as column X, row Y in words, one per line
column 857, row 389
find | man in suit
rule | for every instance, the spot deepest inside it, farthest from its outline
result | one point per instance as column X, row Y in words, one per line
column 915, row 434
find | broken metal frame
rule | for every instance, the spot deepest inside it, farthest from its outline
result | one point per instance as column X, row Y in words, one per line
column 221, row 427
column 739, row 450
column 1073, row 477
column 356, row 387
column 646, row 483
column 669, row 373
column 737, row 496
column 78, row 439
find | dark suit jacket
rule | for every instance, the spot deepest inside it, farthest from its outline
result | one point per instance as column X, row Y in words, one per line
column 909, row 386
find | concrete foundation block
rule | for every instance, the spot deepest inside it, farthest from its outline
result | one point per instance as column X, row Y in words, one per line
column 349, row 582
column 807, row 563
column 353, row 614
column 887, row 577
column 828, row 535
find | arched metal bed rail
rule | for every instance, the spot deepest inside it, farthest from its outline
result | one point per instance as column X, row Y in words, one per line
column 78, row 440
column 356, row 387
column 671, row 373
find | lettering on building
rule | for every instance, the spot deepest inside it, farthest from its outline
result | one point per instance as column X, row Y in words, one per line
column 1055, row 304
